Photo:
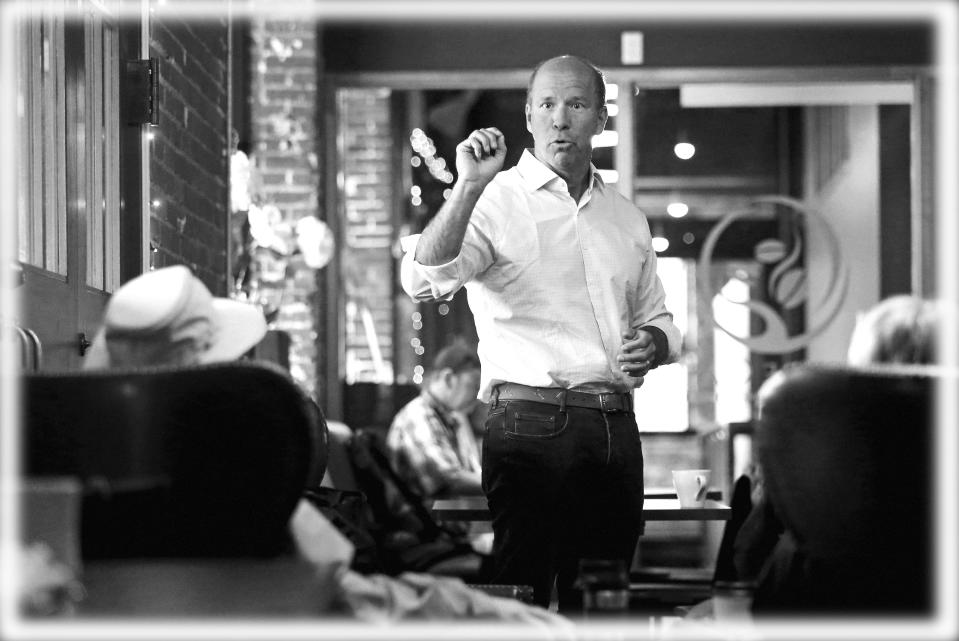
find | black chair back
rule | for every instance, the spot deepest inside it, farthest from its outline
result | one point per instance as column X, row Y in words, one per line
column 847, row 458
column 205, row 460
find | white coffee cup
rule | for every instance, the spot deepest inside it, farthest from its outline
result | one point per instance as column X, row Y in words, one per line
column 691, row 486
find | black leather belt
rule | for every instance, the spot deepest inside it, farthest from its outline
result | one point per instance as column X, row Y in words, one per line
column 603, row 401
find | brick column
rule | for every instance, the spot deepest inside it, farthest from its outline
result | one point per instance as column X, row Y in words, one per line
column 189, row 156
column 283, row 110
column 366, row 164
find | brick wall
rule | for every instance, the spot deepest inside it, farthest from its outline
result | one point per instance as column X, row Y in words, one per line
column 367, row 233
column 190, row 181
column 285, row 151
column 189, row 161
column 189, row 156
column 288, row 154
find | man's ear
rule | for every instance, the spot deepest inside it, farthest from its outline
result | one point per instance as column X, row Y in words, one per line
column 447, row 374
column 529, row 124
column 601, row 121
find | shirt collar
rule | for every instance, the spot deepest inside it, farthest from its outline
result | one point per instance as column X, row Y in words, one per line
column 445, row 413
column 537, row 174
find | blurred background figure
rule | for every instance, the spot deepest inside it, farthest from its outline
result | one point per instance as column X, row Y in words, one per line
column 169, row 317
column 431, row 440
column 899, row 329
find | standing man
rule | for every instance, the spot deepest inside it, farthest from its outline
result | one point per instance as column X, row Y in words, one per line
column 561, row 278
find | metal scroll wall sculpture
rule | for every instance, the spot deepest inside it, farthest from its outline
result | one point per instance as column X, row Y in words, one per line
column 787, row 284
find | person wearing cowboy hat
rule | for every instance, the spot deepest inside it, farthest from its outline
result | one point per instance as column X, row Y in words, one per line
column 168, row 317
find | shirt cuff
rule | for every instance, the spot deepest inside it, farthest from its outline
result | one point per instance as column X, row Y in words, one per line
column 660, row 342
column 427, row 282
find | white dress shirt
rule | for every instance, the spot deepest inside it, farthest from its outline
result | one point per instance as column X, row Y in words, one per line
column 552, row 283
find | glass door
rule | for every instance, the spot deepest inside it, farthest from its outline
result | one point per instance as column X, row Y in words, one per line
column 69, row 184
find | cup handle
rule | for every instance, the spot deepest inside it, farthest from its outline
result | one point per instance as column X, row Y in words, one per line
column 701, row 492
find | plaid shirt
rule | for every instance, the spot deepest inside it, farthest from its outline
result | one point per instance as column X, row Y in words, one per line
column 428, row 442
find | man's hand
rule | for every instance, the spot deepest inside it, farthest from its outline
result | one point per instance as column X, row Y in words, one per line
column 638, row 353
column 480, row 157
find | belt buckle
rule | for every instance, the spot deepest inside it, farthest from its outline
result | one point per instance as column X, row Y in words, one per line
column 605, row 407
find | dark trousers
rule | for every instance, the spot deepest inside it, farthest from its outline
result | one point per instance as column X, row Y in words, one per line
column 561, row 486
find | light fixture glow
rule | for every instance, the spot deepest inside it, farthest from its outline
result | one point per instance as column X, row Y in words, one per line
column 660, row 244
column 607, row 138
column 684, row 150
column 612, row 91
column 677, row 209
column 612, row 110
column 609, row 176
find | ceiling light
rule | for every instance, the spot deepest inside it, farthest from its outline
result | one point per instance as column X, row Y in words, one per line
column 677, row 209
column 684, row 150
column 660, row 244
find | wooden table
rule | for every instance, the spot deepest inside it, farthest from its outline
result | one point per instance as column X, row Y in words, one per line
column 474, row 508
column 670, row 493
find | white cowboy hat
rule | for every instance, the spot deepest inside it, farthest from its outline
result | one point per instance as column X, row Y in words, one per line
column 168, row 316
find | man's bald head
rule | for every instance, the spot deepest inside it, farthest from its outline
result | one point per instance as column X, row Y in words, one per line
column 599, row 80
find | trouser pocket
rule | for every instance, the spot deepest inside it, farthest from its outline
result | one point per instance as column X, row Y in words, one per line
column 534, row 421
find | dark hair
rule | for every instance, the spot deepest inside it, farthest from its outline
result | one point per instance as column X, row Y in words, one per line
column 599, row 79
column 457, row 356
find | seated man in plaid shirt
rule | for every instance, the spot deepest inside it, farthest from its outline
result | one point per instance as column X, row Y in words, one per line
column 431, row 441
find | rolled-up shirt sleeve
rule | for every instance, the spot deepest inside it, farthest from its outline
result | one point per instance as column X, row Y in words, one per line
column 440, row 282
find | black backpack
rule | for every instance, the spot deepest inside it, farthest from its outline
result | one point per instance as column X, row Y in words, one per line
column 387, row 521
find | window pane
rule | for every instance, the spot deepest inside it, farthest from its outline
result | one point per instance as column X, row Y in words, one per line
column 731, row 365
column 103, row 177
column 711, row 382
column 41, row 215
column 662, row 402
